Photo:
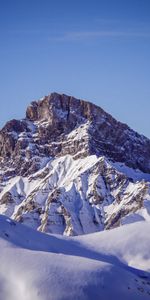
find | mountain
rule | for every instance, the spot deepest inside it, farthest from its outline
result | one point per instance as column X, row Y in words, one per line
column 70, row 168
column 104, row 265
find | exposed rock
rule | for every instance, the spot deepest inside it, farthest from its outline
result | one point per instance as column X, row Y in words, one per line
column 6, row 198
column 47, row 129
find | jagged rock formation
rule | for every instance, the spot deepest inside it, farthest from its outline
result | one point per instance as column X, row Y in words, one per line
column 70, row 168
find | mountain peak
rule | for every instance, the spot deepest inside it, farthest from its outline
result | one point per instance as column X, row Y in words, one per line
column 59, row 124
column 69, row 167
column 61, row 106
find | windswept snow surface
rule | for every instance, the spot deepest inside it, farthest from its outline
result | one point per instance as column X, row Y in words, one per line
column 112, row 264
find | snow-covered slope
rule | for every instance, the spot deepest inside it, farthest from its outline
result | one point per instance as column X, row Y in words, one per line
column 113, row 264
column 79, row 196
column 70, row 168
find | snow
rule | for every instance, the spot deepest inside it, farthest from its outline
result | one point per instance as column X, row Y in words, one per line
column 89, row 200
column 136, row 175
column 79, row 132
column 129, row 243
column 131, row 218
column 96, row 266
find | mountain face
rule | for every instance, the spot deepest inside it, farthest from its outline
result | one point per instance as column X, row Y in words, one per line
column 70, row 168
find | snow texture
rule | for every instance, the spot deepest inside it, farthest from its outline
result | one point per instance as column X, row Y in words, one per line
column 113, row 264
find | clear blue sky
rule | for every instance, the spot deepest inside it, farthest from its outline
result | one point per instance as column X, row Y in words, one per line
column 97, row 50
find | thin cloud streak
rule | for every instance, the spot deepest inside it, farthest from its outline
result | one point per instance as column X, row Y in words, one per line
column 86, row 35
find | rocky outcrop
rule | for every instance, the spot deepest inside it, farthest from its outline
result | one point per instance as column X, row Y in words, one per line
column 47, row 127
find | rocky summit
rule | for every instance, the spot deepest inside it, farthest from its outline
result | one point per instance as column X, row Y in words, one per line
column 70, row 168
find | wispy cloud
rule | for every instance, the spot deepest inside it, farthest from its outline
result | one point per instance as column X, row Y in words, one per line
column 77, row 36
column 87, row 35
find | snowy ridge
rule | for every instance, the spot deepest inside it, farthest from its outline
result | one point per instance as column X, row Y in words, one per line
column 43, row 267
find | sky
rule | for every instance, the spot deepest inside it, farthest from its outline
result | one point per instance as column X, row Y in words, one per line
column 97, row 50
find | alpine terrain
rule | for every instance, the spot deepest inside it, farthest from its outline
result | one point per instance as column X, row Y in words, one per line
column 70, row 168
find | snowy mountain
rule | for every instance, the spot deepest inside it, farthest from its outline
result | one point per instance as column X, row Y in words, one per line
column 112, row 264
column 70, row 168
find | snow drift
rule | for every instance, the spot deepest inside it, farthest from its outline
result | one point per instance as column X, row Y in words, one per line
column 112, row 264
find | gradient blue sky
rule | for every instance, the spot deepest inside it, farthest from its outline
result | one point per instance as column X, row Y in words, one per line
column 97, row 50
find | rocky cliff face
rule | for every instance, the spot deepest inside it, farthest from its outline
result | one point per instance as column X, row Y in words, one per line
column 71, row 168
